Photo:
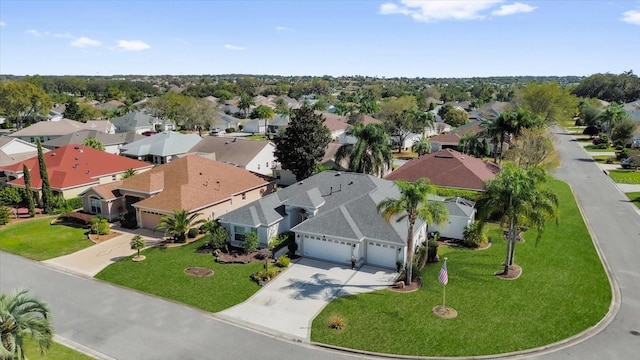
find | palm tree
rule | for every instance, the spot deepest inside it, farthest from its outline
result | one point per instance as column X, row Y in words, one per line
column 137, row 244
column 413, row 204
column 266, row 113
column 245, row 103
column 422, row 146
column 611, row 115
column 20, row 315
column 518, row 197
column 93, row 143
column 371, row 154
column 178, row 224
column 128, row 173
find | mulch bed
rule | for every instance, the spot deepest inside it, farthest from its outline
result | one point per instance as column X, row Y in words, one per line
column 514, row 272
column 102, row 238
column 414, row 286
column 198, row 272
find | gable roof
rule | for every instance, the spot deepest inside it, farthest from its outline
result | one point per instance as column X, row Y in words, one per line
column 59, row 128
column 454, row 136
column 7, row 157
column 134, row 119
column 191, row 183
column 78, row 137
column 345, row 205
column 447, row 168
column 75, row 165
column 335, row 122
column 165, row 143
column 235, row 151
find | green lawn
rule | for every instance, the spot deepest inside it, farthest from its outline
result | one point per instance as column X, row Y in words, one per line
column 37, row 239
column 602, row 159
column 55, row 352
column 634, row 197
column 162, row 274
column 594, row 148
column 563, row 290
column 625, row 176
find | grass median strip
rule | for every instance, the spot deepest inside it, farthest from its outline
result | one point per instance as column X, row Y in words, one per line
column 625, row 176
column 162, row 274
column 55, row 352
column 39, row 240
column 563, row 290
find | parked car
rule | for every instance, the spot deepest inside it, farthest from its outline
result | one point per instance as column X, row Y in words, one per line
column 627, row 163
column 215, row 131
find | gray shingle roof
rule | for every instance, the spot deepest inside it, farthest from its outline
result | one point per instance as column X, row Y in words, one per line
column 348, row 207
column 134, row 120
column 78, row 137
column 162, row 144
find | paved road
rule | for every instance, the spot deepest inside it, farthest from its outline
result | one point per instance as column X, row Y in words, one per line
column 124, row 324
column 616, row 226
column 128, row 325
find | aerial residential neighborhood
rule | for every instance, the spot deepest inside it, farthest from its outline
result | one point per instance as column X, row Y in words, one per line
column 319, row 180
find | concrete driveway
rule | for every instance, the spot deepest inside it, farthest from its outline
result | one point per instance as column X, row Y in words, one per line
column 92, row 260
column 287, row 305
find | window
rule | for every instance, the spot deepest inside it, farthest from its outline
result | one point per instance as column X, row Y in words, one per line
column 244, row 196
column 258, row 166
column 113, row 178
column 267, row 165
column 96, row 207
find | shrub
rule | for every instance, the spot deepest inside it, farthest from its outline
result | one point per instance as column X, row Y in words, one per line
column 240, row 127
column 623, row 154
column 208, row 227
column 74, row 203
column 451, row 193
column 337, row 322
column 282, row 240
column 293, row 247
column 219, row 238
column 99, row 226
column 602, row 146
column 263, row 254
column 5, row 214
column 128, row 220
column 591, row 131
column 229, row 130
column 610, row 160
column 283, row 261
column 77, row 218
column 192, row 233
column 251, row 242
column 265, row 275
column 474, row 235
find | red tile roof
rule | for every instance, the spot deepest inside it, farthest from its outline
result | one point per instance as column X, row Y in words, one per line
column 75, row 165
column 447, row 168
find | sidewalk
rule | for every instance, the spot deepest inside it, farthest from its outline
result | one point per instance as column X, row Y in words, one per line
column 90, row 261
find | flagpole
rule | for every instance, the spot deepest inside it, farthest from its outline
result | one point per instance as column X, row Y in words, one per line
column 444, row 291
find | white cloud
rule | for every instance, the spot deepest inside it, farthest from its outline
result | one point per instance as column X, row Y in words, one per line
column 2, row 23
column 34, row 32
column 427, row 11
column 64, row 35
column 631, row 16
column 133, row 45
column 284, row 28
column 234, row 47
column 513, row 9
column 85, row 42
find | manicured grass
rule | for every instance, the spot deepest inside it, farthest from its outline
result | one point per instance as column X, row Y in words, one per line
column 602, row 159
column 55, row 352
column 625, row 176
column 162, row 274
column 594, row 148
column 405, row 155
column 562, row 291
column 634, row 197
column 37, row 239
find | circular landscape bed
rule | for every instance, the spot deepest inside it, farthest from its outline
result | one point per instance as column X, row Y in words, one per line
column 198, row 271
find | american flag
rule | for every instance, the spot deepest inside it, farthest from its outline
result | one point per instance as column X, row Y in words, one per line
column 443, row 277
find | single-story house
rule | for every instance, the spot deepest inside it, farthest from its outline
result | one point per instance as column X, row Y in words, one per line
column 253, row 155
column 334, row 218
column 255, row 126
column 13, row 150
column 452, row 139
column 462, row 213
column 160, row 148
column 338, row 126
column 72, row 169
column 192, row 183
column 111, row 142
column 448, row 168
column 48, row 130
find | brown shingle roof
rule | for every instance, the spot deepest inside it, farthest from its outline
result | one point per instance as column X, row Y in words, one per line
column 230, row 150
column 192, row 182
column 447, row 168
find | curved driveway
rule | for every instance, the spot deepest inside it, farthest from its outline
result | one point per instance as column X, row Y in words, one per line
column 125, row 324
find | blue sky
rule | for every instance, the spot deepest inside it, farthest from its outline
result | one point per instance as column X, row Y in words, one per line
column 386, row 38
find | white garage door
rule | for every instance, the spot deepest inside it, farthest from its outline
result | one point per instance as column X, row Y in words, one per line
column 379, row 254
column 326, row 249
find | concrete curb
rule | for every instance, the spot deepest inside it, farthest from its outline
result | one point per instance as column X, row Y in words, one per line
column 81, row 348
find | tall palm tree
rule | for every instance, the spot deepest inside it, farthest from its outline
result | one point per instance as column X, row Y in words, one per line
column 266, row 113
column 245, row 103
column 519, row 197
column 177, row 224
column 23, row 315
column 422, row 146
column 611, row 115
column 413, row 204
column 371, row 154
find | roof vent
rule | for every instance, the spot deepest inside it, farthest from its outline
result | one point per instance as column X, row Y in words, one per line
column 337, row 174
column 76, row 147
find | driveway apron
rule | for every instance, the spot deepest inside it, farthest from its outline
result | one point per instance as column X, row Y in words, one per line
column 287, row 305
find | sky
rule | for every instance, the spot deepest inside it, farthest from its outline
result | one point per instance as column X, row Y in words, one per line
column 388, row 38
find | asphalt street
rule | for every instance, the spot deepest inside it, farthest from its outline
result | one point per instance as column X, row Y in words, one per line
column 124, row 324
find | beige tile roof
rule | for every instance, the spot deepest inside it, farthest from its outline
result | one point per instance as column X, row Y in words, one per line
column 192, row 182
column 231, row 150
